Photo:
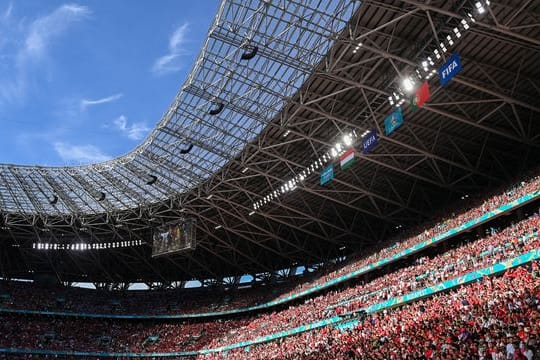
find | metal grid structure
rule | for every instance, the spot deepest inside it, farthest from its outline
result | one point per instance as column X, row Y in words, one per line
column 238, row 129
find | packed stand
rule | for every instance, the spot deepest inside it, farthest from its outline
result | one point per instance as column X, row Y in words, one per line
column 67, row 334
column 71, row 334
column 470, row 209
column 492, row 319
column 522, row 237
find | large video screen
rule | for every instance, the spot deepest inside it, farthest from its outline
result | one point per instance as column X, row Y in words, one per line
column 174, row 238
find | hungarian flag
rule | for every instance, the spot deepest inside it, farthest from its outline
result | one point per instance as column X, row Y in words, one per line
column 422, row 95
column 347, row 159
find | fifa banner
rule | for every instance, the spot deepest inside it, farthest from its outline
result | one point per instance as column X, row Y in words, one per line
column 393, row 121
column 327, row 174
column 369, row 141
column 449, row 69
column 174, row 238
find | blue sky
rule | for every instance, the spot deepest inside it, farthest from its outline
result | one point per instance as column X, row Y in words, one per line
column 82, row 82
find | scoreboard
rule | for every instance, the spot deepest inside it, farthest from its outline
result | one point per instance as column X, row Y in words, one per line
column 174, row 238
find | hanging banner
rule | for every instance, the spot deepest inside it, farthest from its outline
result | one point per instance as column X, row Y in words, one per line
column 449, row 69
column 421, row 96
column 327, row 174
column 393, row 121
column 369, row 141
column 347, row 159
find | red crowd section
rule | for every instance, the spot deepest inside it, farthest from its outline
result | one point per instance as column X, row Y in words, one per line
column 496, row 318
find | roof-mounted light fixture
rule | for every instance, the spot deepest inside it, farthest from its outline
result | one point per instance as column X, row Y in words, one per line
column 218, row 107
column 151, row 179
column 249, row 52
column 53, row 199
column 100, row 196
column 186, row 150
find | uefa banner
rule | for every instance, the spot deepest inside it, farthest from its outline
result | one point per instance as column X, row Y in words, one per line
column 369, row 141
column 393, row 121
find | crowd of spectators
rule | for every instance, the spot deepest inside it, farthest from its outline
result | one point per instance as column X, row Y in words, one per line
column 67, row 333
column 511, row 242
column 30, row 296
column 492, row 319
column 470, row 207
column 73, row 334
column 24, row 296
column 467, row 323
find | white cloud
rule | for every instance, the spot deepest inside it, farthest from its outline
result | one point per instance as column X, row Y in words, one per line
column 135, row 131
column 80, row 154
column 171, row 62
column 7, row 14
column 85, row 103
column 27, row 45
column 44, row 29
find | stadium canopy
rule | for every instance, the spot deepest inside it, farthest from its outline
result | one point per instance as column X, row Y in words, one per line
column 276, row 85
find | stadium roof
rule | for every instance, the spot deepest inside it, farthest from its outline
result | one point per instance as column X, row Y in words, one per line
column 276, row 85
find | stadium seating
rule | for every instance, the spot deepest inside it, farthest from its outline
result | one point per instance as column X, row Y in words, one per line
column 497, row 318
column 60, row 333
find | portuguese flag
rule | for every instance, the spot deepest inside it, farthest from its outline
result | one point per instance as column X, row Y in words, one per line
column 347, row 159
column 421, row 96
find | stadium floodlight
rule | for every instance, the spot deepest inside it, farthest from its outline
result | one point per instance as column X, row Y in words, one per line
column 251, row 213
column 457, row 32
column 465, row 24
column 209, row 196
column 218, row 227
column 286, row 133
column 347, row 140
column 244, row 171
column 407, row 84
column 443, row 47
column 450, row 41
column 479, row 7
